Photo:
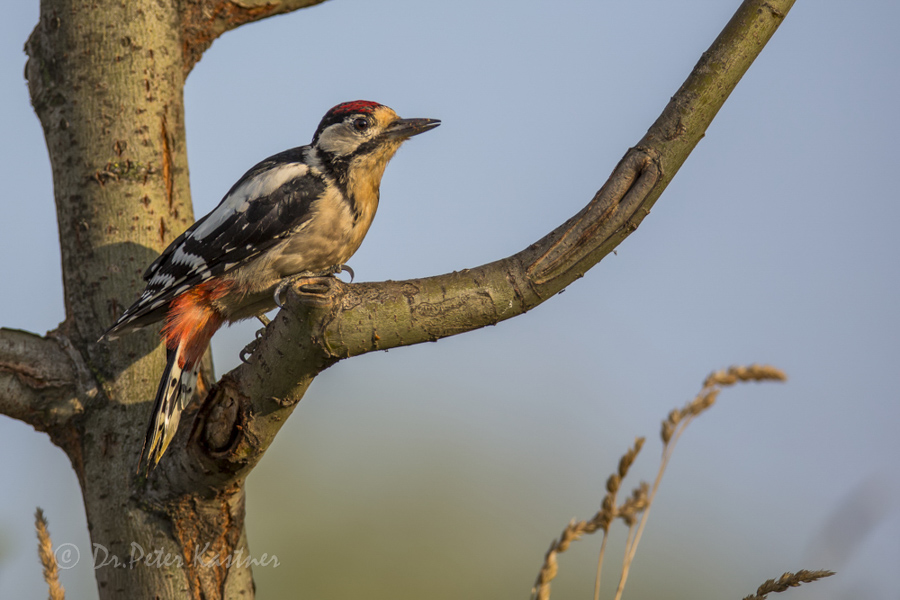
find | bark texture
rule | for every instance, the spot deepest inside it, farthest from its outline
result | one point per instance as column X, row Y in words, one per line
column 106, row 80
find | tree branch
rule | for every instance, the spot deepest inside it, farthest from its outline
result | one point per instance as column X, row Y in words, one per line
column 38, row 381
column 205, row 20
column 326, row 320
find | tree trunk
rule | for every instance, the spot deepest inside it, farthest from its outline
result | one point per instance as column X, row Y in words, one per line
column 106, row 81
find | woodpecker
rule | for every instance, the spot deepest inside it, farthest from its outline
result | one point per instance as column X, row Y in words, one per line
column 300, row 213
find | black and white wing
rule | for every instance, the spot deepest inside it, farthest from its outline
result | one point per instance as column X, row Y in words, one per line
column 269, row 202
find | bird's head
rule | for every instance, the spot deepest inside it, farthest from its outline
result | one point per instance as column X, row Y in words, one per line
column 358, row 128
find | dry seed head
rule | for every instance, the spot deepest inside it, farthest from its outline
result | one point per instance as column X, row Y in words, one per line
column 628, row 514
column 720, row 377
column 639, row 496
column 541, row 589
column 641, row 492
column 48, row 559
column 642, row 497
column 667, row 430
column 739, row 373
column 604, row 516
column 551, row 566
column 669, row 425
column 607, row 503
column 628, row 458
column 675, row 416
column 571, row 533
column 603, row 519
column 635, row 504
column 701, row 402
column 612, row 484
column 710, row 392
column 608, row 511
column 788, row 580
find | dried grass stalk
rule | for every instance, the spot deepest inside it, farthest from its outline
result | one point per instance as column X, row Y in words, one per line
column 788, row 580
column 634, row 510
column 751, row 373
column 48, row 559
column 575, row 529
column 674, row 426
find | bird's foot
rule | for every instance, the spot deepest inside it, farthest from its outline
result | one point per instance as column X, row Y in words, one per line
column 289, row 281
column 250, row 348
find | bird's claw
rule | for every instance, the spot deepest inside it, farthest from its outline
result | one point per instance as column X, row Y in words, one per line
column 289, row 281
column 248, row 350
column 285, row 283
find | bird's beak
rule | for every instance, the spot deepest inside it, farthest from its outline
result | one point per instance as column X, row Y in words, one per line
column 406, row 128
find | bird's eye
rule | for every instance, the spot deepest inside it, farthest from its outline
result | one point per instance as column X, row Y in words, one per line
column 361, row 123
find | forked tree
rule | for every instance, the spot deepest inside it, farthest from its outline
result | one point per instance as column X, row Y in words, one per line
column 106, row 79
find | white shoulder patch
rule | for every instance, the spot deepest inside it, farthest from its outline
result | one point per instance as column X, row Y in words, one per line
column 239, row 200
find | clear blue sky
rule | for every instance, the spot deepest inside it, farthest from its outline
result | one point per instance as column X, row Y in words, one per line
column 446, row 469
